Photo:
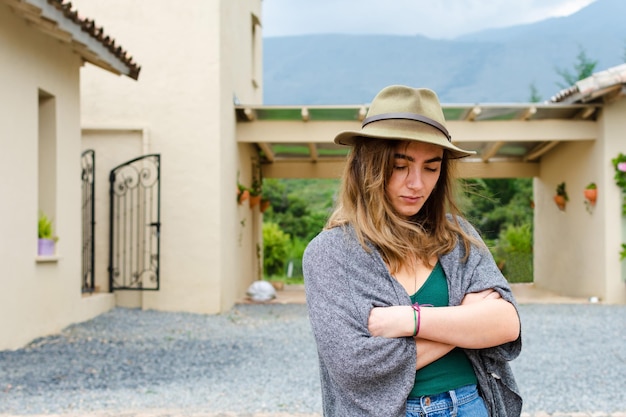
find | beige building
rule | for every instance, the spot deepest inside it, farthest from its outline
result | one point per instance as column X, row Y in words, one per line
column 42, row 49
column 168, row 231
column 197, row 60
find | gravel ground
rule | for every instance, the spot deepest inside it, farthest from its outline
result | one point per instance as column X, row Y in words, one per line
column 260, row 359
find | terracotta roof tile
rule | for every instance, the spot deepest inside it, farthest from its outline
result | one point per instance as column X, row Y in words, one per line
column 89, row 26
column 56, row 18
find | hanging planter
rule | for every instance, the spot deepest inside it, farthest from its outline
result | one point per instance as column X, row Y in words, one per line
column 255, row 200
column 255, row 193
column 242, row 194
column 591, row 195
column 561, row 198
column 265, row 204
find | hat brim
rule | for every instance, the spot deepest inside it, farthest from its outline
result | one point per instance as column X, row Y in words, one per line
column 402, row 130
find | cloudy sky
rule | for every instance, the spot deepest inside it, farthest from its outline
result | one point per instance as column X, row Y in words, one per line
column 440, row 19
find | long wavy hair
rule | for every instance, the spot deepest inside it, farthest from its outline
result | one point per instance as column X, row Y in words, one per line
column 363, row 204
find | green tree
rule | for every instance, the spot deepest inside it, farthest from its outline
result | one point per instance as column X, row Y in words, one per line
column 275, row 249
column 515, row 251
column 493, row 204
column 299, row 207
column 583, row 68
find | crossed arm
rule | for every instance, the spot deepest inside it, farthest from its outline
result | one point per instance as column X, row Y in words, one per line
column 482, row 320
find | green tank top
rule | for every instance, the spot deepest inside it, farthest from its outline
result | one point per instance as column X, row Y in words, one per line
column 453, row 370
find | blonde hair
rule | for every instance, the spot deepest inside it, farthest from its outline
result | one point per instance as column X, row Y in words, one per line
column 363, row 204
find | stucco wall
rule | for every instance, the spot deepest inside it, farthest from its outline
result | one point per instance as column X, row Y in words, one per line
column 613, row 127
column 565, row 241
column 576, row 251
column 39, row 298
column 194, row 61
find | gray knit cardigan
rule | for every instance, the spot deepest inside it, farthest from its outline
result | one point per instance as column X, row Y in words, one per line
column 363, row 375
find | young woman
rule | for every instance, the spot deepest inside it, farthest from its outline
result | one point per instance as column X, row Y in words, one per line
column 410, row 313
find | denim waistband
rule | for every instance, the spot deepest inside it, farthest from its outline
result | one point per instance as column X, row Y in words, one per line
column 443, row 401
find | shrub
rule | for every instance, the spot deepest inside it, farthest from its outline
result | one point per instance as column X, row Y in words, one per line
column 275, row 248
column 516, row 247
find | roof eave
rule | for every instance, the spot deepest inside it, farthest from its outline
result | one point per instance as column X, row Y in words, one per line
column 54, row 18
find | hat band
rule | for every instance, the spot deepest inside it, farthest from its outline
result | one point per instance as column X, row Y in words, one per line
column 408, row 116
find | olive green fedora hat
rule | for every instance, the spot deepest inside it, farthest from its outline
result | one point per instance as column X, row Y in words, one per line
column 405, row 113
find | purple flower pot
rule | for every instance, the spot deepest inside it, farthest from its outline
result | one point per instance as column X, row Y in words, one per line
column 45, row 247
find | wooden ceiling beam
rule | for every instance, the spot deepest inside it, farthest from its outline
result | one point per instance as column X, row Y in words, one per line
column 540, row 150
column 313, row 151
column 267, row 150
column 472, row 114
column 529, row 112
column 491, row 150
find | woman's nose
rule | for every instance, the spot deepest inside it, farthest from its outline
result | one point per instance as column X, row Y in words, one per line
column 414, row 179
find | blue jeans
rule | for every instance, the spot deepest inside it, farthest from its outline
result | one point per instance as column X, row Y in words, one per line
column 461, row 402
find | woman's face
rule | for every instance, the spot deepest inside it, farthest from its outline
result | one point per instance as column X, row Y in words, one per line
column 416, row 170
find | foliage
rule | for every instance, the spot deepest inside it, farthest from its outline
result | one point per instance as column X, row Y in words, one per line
column 295, row 280
column 275, row 248
column 560, row 190
column 45, row 230
column 517, row 239
column 299, row 207
column 492, row 204
column 619, row 164
column 583, row 68
column 514, row 253
column 256, row 188
column 591, row 186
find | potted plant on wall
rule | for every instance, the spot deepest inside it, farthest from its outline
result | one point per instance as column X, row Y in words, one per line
column 591, row 195
column 242, row 193
column 561, row 198
column 255, row 193
column 265, row 204
column 47, row 239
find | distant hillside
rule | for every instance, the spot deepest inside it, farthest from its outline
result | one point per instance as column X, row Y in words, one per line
column 497, row 65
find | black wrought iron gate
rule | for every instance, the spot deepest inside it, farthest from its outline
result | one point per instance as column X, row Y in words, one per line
column 134, row 238
column 88, row 177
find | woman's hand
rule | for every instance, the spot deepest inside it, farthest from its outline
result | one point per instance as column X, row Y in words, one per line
column 393, row 321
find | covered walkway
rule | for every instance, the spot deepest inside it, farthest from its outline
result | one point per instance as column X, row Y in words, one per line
column 571, row 140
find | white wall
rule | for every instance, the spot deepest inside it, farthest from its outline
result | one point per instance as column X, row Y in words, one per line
column 39, row 298
column 194, row 59
column 613, row 127
column 576, row 253
column 566, row 242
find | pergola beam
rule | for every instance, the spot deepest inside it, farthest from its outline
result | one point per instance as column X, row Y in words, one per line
column 267, row 151
column 274, row 131
column 303, row 168
column 491, row 151
column 540, row 150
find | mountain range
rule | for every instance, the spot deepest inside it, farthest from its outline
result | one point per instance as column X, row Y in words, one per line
column 490, row 66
